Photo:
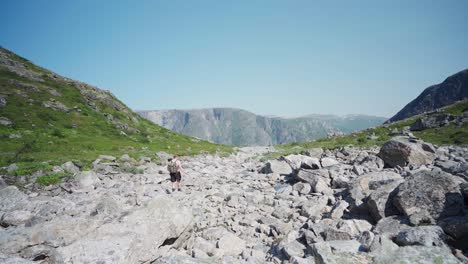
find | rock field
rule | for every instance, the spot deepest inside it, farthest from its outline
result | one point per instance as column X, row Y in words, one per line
column 403, row 203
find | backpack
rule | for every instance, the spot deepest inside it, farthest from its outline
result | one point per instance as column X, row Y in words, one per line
column 172, row 166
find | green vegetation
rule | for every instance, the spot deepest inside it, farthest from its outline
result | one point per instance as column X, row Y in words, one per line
column 95, row 124
column 448, row 135
column 50, row 179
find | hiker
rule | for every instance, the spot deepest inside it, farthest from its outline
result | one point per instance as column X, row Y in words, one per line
column 175, row 170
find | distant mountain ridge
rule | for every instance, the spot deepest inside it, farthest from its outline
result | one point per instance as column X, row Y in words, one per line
column 451, row 90
column 240, row 127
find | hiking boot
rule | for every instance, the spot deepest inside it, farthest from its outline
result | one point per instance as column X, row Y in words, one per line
column 179, row 190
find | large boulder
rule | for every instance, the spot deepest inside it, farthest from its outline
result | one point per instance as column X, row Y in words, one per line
column 417, row 254
column 404, row 151
column 327, row 162
column 422, row 236
column 134, row 238
column 231, row 245
column 11, row 197
column 318, row 179
column 277, row 167
column 431, row 121
column 429, row 196
column 86, row 180
column 364, row 185
column 301, row 161
column 380, row 201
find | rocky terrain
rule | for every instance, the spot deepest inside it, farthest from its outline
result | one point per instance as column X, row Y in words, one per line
column 242, row 128
column 405, row 202
column 451, row 90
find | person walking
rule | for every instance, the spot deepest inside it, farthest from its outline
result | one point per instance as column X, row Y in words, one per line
column 175, row 170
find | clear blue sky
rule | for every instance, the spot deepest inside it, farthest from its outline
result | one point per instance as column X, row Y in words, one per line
column 286, row 58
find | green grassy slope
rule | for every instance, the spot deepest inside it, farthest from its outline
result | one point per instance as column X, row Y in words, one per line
column 448, row 135
column 96, row 122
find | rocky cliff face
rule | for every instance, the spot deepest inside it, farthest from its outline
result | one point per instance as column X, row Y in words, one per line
column 453, row 89
column 240, row 127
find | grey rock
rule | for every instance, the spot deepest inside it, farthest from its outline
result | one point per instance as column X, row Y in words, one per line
column 5, row 121
column 363, row 186
column 314, row 207
column 275, row 166
column 107, row 158
column 431, row 121
column 314, row 152
column 380, row 201
column 418, row 254
column 11, row 197
column 327, row 162
column 434, row 194
column 3, row 101
column 391, row 226
column 456, row 226
column 134, row 238
column 316, row 179
column 347, row 246
column 401, row 151
column 174, row 259
column 422, row 236
column 70, row 167
column 301, row 161
column 339, row 209
column 302, row 188
column 15, row 218
column 12, row 167
column 231, row 245
column 86, row 180
column 5, row 259
column 294, row 249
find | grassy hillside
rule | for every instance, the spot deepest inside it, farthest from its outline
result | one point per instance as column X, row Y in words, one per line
column 448, row 135
column 56, row 119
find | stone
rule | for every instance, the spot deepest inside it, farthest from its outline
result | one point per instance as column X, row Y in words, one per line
column 11, row 197
column 86, row 180
column 314, row 152
column 391, row 226
column 204, row 246
column 3, row 101
column 382, row 245
column 327, row 162
column 276, row 166
column 380, row 201
column 372, row 162
column 107, row 158
column 347, row 246
column 431, row 121
column 294, row 249
column 417, row 254
column 231, row 245
column 15, row 218
column 12, row 167
column 5, row 259
column 456, row 226
column 339, row 209
column 401, row 151
column 5, row 121
column 434, row 194
column 422, row 236
column 70, row 167
column 135, row 238
column 302, row 188
column 314, row 207
column 363, row 186
column 318, row 183
column 301, row 161
column 175, row 259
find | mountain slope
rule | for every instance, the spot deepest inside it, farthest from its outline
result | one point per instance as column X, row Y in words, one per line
column 453, row 89
column 46, row 117
column 240, row 127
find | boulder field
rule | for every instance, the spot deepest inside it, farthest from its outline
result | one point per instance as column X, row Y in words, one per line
column 405, row 202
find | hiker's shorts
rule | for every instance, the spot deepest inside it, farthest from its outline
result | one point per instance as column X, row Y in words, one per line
column 175, row 177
